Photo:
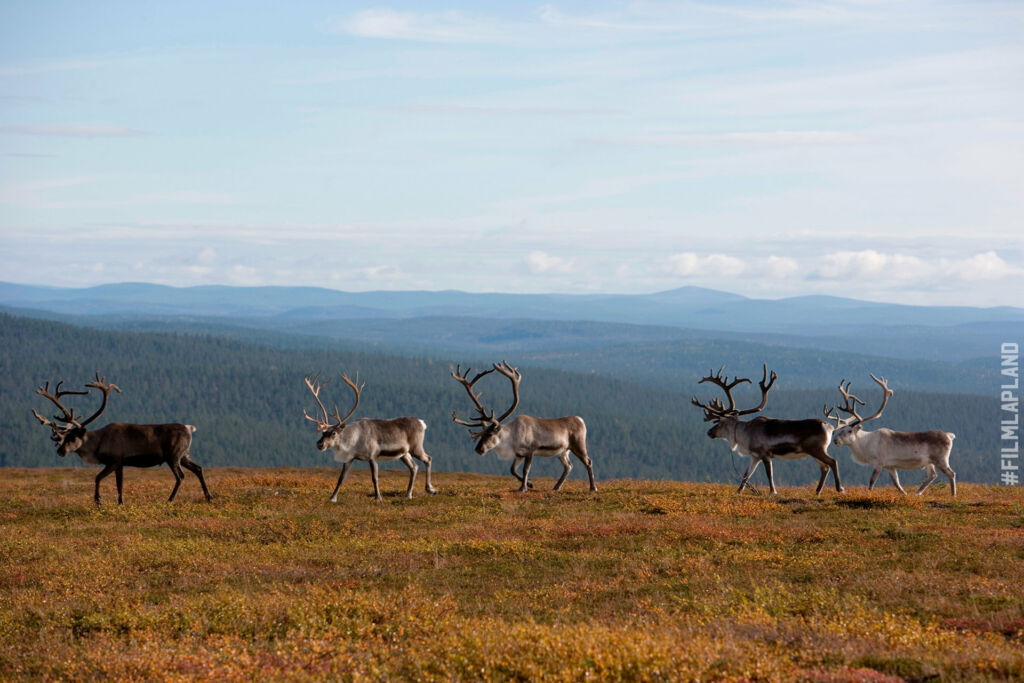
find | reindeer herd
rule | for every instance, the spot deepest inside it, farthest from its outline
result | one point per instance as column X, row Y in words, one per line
column 521, row 439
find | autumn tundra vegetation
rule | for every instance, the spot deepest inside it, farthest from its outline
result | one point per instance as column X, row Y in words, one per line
column 643, row 581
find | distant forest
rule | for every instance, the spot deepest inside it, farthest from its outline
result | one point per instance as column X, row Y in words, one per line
column 247, row 399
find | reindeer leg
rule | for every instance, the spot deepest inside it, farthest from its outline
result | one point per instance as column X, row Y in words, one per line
column 341, row 480
column 193, row 467
column 515, row 474
column 119, row 478
column 376, row 484
column 527, row 461
column 928, row 482
column 895, row 476
column 179, row 476
column 771, row 479
column 874, row 477
column 99, row 477
column 948, row 471
column 422, row 456
column 821, row 480
column 567, row 464
column 823, row 457
column 413, row 469
column 746, row 477
column 580, row 451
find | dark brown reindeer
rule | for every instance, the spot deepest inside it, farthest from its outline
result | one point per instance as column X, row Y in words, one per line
column 524, row 437
column 764, row 438
column 119, row 445
column 369, row 439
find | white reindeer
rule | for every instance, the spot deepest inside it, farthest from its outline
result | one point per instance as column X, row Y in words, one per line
column 890, row 450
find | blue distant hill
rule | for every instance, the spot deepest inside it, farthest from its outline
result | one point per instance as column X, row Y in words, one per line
column 691, row 307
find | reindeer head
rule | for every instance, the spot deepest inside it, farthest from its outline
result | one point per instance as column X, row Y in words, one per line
column 330, row 434
column 848, row 429
column 725, row 418
column 491, row 431
column 69, row 431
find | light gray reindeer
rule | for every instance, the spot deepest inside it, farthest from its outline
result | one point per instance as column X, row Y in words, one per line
column 370, row 440
column 890, row 450
column 524, row 437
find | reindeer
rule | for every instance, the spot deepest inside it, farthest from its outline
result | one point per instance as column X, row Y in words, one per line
column 524, row 437
column 370, row 440
column 764, row 438
column 120, row 445
column 889, row 450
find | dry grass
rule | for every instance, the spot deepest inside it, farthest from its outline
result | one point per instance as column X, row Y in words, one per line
column 643, row 581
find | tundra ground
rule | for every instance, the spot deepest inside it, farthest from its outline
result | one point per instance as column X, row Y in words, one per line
column 641, row 581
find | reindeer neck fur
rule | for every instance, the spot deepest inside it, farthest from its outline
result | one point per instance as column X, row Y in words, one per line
column 88, row 447
column 863, row 444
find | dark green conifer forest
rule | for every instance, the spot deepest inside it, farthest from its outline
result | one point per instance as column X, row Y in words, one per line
column 247, row 400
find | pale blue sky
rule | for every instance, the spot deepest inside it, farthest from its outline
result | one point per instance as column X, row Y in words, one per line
column 866, row 148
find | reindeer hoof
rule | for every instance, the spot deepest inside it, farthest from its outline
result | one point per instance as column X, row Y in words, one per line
column 333, row 500
column 432, row 491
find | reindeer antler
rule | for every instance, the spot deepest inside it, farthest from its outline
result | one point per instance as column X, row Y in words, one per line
column 69, row 415
column 850, row 403
column 716, row 410
column 765, row 384
column 358, row 389
column 101, row 384
column 315, row 386
column 463, row 378
column 513, row 376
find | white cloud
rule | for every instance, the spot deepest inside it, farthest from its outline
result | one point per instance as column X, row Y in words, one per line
column 379, row 272
column 30, row 195
column 777, row 137
column 246, row 276
column 185, row 197
column 44, row 68
column 73, row 131
column 542, row 263
column 855, row 265
column 689, row 264
column 880, row 269
column 612, row 21
column 207, row 256
column 776, row 267
column 986, row 266
column 439, row 27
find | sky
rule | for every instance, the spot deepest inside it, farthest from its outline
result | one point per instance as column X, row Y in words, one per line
column 863, row 148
